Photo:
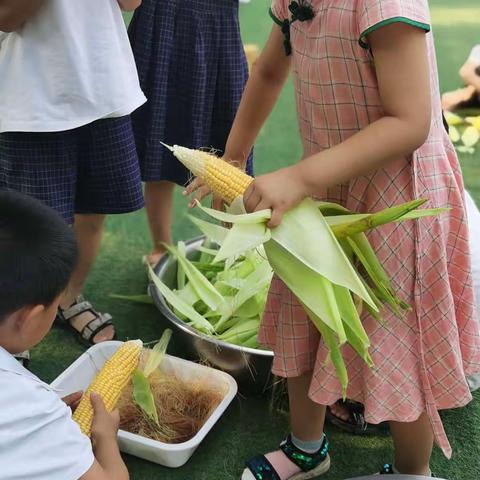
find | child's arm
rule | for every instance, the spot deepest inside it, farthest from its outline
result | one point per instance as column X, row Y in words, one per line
column 129, row 5
column 108, row 463
column 14, row 13
column 261, row 93
column 402, row 69
column 470, row 74
column 263, row 88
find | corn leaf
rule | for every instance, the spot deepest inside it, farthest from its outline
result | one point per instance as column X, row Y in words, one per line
column 470, row 137
column 335, row 354
column 202, row 286
column 318, row 249
column 241, row 238
column 157, row 353
column 143, row 396
column 214, row 232
column 257, row 217
column 180, row 271
column 146, row 299
column 454, row 134
column 304, row 282
column 257, row 281
column 180, row 305
column 376, row 219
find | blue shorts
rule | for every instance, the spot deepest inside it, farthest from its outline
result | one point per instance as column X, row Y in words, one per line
column 91, row 169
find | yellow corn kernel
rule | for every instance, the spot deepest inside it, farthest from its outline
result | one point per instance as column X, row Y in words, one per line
column 225, row 180
column 109, row 383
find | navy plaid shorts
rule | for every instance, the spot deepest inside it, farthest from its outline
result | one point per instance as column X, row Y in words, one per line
column 91, row 169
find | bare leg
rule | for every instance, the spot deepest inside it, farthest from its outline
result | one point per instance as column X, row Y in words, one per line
column 88, row 231
column 413, row 445
column 159, row 205
column 306, row 418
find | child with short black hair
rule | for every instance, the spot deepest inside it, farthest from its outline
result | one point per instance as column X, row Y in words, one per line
column 38, row 438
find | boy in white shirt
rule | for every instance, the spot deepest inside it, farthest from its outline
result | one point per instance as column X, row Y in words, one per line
column 68, row 84
column 38, row 438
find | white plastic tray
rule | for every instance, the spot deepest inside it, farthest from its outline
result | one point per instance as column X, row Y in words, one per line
column 79, row 375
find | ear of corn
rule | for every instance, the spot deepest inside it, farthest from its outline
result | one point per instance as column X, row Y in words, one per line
column 316, row 260
column 226, row 181
column 109, row 383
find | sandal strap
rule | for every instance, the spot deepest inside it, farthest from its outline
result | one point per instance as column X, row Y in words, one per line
column 96, row 325
column 386, row 469
column 262, row 469
column 303, row 460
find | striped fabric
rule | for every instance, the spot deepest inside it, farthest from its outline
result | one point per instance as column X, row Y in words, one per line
column 91, row 169
column 420, row 360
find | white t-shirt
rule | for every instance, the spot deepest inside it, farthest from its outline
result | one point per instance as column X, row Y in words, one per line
column 69, row 65
column 38, row 438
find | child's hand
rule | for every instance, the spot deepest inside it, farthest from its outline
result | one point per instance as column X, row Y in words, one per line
column 73, row 400
column 105, row 425
column 279, row 191
column 202, row 190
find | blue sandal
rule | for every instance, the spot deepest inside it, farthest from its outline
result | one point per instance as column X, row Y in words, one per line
column 311, row 464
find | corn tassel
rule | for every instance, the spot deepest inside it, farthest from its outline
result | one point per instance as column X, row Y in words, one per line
column 225, row 180
column 109, row 383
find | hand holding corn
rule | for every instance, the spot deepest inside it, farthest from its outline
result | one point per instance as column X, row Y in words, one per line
column 279, row 192
column 109, row 383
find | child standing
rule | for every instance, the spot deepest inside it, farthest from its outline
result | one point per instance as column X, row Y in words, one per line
column 193, row 70
column 38, row 438
column 68, row 84
column 371, row 123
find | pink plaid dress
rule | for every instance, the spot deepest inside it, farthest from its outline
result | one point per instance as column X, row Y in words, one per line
column 420, row 360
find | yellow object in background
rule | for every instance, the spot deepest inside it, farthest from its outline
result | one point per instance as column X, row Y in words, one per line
column 252, row 52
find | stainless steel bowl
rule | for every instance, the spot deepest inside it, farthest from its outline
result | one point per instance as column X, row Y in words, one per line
column 250, row 367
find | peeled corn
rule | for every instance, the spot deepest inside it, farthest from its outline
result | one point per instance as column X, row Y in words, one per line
column 109, row 383
column 226, row 181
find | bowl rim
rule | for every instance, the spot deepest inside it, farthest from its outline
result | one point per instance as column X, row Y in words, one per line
column 165, row 310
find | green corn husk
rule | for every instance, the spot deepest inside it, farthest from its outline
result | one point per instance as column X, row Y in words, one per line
column 321, row 269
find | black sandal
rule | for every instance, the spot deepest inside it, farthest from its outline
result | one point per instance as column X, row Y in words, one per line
column 311, row 464
column 356, row 422
column 387, row 469
column 94, row 326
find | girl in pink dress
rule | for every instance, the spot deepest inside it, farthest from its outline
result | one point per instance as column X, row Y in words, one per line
column 369, row 112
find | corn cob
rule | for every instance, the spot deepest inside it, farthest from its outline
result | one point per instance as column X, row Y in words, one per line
column 109, row 383
column 226, row 181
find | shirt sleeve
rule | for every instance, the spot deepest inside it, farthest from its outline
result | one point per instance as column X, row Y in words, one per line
column 374, row 14
column 279, row 11
column 38, row 438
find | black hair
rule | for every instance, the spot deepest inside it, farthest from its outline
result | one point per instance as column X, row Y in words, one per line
column 38, row 253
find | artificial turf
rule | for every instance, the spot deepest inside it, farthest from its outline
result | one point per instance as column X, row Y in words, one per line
column 250, row 427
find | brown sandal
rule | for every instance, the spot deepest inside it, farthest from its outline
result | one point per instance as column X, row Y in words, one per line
column 92, row 328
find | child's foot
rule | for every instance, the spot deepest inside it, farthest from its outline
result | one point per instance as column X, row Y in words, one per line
column 348, row 416
column 91, row 326
column 289, row 463
column 153, row 259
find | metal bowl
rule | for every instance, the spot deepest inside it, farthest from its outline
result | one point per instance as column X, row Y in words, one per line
column 250, row 367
